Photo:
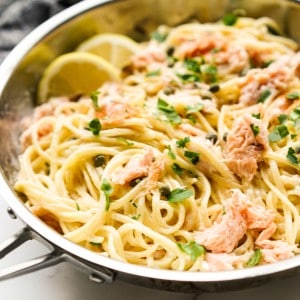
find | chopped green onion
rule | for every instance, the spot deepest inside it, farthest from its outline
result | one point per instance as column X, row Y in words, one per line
column 95, row 243
column 153, row 73
column 291, row 156
column 293, row 96
column 283, row 118
column 186, row 78
column 263, row 96
column 295, row 114
column 169, row 111
column 256, row 116
column 267, row 63
column 77, row 206
column 181, row 143
column 272, row 30
column 255, row 259
column 108, row 190
column 159, row 36
column 136, row 217
column 194, row 157
column 125, row 141
column 171, row 154
column 278, row 133
column 94, row 96
column 209, row 73
column 194, row 108
column 193, row 249
column 192, row 65
column 179, row 195
column 230, row 19
column 255, row 129
column 177, row 169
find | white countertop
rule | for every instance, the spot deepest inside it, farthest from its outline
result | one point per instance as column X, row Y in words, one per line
column 64, row 282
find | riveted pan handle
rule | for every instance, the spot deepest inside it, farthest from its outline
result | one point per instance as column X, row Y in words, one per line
column 32, row 265
column 98, row 275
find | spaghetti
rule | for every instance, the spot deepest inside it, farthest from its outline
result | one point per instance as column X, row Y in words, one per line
column 191, row 162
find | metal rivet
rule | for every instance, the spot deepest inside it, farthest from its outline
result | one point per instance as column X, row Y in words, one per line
column 11, row 213
column 96, row 278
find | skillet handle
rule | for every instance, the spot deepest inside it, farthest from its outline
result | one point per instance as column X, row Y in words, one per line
column 98, row 275
column 32, row 265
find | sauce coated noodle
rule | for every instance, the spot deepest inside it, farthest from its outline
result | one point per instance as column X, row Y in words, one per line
column 190, row 162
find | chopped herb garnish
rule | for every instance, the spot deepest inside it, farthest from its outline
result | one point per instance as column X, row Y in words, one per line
column 256, row 116
column 293, row 96
column 169, row 111
column 192, row 65
column 263, row 96
column 191, row 118
column 230, row 19
column 193, row 249
column 267, row 63
column 255, row 129
column 95, row 243
column 171, row 154
column 165, row 191
column 186, row 78
column 159, row 36
column 153, row 73
column 136, row 217
column 177, row 169
column 181, row 143
column 272, row 30
column 179, row 195
column 99, row 160
column 255, row 259
column 291, row 156
column 278, row 133
column 94, row 96
column 192, row 156
column 283, row 118
column 194, row 108
column 295, row 114
column 108, row 190
column 125, row 141
column 171, row 61
column 209, row 73
column 95, row 126
column 77, row 206
column 297, row 124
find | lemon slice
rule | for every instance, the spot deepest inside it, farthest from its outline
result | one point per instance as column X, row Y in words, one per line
column 75, row 73
column 115, row 48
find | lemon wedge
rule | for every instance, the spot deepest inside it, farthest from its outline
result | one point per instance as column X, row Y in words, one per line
column 115, row 48
column 75, row 73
